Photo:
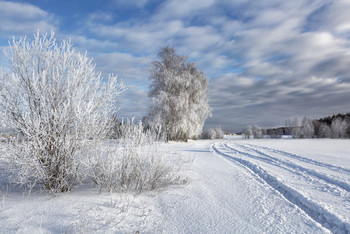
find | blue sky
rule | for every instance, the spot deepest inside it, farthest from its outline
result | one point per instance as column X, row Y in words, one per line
column 266, row 61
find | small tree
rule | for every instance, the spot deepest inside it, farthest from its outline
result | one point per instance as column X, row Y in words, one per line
column 248, row 132
column 339, row 127
column 324, row 131
column 53, row 98
column 179, row 93
column 212, row 133
column 257, row 132
column 307, row 129
column 296, row 128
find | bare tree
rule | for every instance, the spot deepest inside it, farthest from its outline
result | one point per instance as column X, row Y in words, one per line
column 53, row 97
column 179, row 92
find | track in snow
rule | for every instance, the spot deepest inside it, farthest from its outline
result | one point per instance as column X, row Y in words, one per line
column 321, row 190
column 302, row 159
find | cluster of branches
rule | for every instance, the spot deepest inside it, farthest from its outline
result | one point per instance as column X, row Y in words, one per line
column 179, row 93
column 136, row 164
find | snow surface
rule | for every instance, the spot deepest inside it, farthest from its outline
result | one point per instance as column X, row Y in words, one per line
column 236, row 186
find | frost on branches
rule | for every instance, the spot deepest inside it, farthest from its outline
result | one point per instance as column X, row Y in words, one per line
column 137, row 163
column 58, row 105
column 179, row 92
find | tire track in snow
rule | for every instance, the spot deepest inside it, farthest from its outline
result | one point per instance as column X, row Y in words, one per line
column 292, row 166
column 303, row 159
column 316, row 212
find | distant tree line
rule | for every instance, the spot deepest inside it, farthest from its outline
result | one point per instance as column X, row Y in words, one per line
column 335, row 126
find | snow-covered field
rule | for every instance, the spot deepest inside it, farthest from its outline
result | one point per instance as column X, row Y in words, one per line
column 236, row 186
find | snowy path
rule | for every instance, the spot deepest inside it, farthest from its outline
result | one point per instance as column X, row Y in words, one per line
column 225, row 197
column 321, row 190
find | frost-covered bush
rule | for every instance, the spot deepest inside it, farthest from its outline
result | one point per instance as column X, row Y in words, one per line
column 209, row 134
column 58, row 106
column 213, row 133
column 135, row 164
column 135, row 133
column 219, row 133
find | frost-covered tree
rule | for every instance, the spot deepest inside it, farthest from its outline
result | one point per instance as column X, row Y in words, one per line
column 296, row 128
column 248, row 132
column 219, row 133
column 324, row 131
column 212, row 133
column 179, row 93
column 307, row 129
column 257, row 133
column 59, row 106
column 339, row 127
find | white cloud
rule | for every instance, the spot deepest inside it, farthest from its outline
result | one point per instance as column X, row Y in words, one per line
column 334, row 17
column 22, row 19
column 130, row 68
column 175, row 9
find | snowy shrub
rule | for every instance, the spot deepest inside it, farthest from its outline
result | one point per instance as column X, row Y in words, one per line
column 58, row 106
column 135, row 133
column 213, row 133
column 209, row 134
column 219, row 133
column 135, row 164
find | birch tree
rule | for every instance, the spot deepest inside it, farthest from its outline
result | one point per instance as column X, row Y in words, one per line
column 339, row 127
column 179, row 93
column 59, row 106
column 307, row 128
column 296, row 128
column 257, row 133
column 248, row 132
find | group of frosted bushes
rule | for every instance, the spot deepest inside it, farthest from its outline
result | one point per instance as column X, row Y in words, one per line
column 213, row 133
column 135, row 162
column 60, row 110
